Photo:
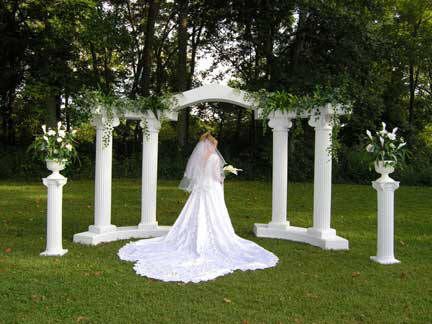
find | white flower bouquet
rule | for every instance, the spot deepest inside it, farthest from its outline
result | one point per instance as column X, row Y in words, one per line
column 229, row 169
column 386, row 147
column 55, row 144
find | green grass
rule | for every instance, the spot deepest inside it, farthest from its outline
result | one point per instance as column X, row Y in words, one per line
column 309, row 285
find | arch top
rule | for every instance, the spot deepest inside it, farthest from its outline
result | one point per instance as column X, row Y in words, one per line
column 214, row 93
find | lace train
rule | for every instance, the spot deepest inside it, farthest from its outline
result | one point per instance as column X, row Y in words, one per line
column 201, row 245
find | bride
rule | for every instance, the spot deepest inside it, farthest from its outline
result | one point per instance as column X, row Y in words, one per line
column 202, row 244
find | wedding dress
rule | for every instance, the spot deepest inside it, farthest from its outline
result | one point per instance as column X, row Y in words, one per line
column 202, row 244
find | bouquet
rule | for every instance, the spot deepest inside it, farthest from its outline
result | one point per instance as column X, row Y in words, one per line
column 230, row 169
column 385, row 147
column 55, row 144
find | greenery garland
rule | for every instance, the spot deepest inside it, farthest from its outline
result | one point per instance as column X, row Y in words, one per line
column 94, row 103
column 283, row 101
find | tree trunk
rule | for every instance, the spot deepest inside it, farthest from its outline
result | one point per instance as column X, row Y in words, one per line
column 298, row 46
column 268, row 43
column 9, row 121
column 51, row 112
column 238, row 122
column 148, row 47
column 411, row 96
column 412, row 81
column 196, row 36
column 67, row 112
column 221, row 124
column 252, row 132
column 181, row 79
column 159, row 74
column 94, row 63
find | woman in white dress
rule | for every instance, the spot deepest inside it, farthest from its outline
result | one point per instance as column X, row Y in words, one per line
column 202, row 244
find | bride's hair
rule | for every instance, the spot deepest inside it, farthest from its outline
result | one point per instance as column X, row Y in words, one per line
column 209, row 137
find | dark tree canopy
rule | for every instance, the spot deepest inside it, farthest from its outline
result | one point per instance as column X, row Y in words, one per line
column 380, row 50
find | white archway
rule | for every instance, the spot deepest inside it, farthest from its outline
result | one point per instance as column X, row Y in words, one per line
column 320, row 234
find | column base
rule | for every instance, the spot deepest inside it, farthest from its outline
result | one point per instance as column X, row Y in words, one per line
column 300, row 234
column 120, row 233
column 147, row 226
column 322, row 234
column 278, row 226
column 59, row 252
column 102, row 229
column 384, row 260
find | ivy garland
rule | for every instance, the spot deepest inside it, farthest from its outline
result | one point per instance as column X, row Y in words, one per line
column 269, row 102
column 94, row 103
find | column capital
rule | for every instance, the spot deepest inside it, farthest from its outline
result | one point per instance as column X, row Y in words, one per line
column 281, row 121
column 385, row 185
column 322, row 117
column 153, row 125
column 99, row 121
column 321, row 120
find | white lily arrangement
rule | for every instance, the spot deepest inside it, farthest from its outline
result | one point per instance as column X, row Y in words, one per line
column 55, row 144
column 230, row 169
column 386, row 147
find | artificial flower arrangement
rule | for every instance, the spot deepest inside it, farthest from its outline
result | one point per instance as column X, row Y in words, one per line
column 229, row 169
column 387, row 149
column 55, row 144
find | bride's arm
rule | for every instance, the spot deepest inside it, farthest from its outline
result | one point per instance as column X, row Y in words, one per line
column 217, row 170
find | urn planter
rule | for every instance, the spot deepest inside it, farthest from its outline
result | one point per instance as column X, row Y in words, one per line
column 384, row 168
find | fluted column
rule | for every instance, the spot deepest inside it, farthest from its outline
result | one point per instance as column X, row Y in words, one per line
column 103, row 177
column 151, row 127
column 385, row 231
column 322, row 175
column 54, row 246
column 280, row 125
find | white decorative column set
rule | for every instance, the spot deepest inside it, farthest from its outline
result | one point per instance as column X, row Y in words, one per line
column 103, row 230
column 385, row 187
column 320, row 234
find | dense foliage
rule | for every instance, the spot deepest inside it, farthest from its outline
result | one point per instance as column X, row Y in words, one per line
column 378, row 51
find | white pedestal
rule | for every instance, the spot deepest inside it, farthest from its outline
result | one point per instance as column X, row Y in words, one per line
column 119, row 233
column 300, row 234
column 54, row 246
column 385, row 229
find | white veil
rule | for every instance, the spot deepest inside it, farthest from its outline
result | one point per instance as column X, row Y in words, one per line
column 196, row 164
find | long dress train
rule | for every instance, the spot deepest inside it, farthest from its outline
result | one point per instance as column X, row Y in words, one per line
column 202, row 244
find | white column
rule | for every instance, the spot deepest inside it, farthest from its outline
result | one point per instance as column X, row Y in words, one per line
column 151, row 127
column 54, row 246
column 280, row 126
column 103, row 178
column 322, row 176
column 385, row 230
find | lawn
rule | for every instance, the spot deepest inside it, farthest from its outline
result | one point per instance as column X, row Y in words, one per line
column 309, row 285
